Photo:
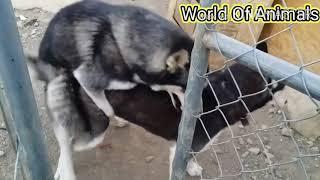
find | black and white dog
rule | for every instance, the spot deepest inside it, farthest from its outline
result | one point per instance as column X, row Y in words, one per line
column 112, row 47
column 79, row 124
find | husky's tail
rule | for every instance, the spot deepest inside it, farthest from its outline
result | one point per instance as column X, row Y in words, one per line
column 40, row 70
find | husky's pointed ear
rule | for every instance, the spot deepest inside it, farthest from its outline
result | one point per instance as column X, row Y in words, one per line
column 177, row 60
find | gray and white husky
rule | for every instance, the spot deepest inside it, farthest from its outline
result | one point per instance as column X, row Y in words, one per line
column 112, row 47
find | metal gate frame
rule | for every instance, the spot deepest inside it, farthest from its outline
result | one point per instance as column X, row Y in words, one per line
column 17, row 101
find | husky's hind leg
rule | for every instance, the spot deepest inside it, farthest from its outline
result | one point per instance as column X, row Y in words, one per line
column 61, row 111
column 65, row 169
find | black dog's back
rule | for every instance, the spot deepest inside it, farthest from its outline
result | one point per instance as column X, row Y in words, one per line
column 149, row 109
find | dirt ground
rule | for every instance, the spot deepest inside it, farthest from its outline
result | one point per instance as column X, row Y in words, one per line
column 136, row 154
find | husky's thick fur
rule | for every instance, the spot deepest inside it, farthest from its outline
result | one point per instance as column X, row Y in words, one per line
column 112, row 47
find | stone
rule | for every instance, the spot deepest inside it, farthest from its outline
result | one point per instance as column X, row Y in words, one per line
column 312, row 139
column 241, row 141
column 245, row 154
column 34, row 31
column 268, row 155
column 310, row 143
column 300, row 106
column 254, row 177
column 249, row 141
column 315, row 149
column 308, row 128
column 148, row 159
column 2, row 153
column 267, row 147
column 267, row 161
column 19, row 24
column 271, row 110
column 263, row 126
column 266, row 140
column 31, row 22
column 279, row 112
column 254, row 150
column 287, row 132
column 22, row 18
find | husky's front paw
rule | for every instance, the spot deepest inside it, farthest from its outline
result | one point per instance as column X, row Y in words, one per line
column 64, row 174
column 57, row 174
column 194, row 169
column 61, row 176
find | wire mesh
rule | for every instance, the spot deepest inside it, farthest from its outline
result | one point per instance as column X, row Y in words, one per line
column 298, row 158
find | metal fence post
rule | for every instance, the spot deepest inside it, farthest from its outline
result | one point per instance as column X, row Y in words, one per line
column 20, row 99
column 193, row 100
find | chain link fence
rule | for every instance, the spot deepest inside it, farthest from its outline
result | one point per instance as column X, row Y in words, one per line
column 268, row 162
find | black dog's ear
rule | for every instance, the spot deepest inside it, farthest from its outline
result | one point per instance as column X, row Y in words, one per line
column 263, row 47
